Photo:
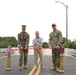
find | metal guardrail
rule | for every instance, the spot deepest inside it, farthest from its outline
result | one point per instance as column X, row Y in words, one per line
column 67, row 51
column 3, row 52
column 72, row 52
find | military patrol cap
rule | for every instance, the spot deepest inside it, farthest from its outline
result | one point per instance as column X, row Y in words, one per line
column 23, row 26
column 54, row 24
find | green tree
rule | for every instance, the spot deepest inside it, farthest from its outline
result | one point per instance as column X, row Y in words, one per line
column 5, row 41
column 45, row 45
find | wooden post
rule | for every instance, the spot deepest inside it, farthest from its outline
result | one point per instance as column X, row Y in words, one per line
column 61, row 69
column 8, row 62
column 9, row 59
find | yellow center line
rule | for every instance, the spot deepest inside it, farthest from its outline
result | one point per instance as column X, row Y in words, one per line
column 33, row 69
column 39, row 68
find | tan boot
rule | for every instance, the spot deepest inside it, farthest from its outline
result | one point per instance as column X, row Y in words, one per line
column 25, row 67
column 57, row 69
column 53, row 69
column 20, row 67
column 42, row 66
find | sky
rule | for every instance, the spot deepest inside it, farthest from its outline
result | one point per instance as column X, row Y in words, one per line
column 37, row 15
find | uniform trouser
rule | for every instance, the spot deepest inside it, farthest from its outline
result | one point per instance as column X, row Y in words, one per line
column 23, row 53
column 36, row 54
column 56, row 58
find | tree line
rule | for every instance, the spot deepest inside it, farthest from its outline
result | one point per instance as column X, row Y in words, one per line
column 71, row 44
column 5, row 41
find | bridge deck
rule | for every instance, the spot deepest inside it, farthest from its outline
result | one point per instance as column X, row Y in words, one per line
column 69, row 66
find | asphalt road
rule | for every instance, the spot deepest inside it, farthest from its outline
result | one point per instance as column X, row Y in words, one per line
column 69, row 66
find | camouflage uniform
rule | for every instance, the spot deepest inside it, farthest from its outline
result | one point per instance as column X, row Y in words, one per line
column 23, row 40
column 55, row 38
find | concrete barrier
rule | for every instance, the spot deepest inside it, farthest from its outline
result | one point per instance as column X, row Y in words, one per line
column 3, row 52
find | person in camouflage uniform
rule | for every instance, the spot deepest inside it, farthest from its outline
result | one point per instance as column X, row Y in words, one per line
column 23, row 40
column 55, row 39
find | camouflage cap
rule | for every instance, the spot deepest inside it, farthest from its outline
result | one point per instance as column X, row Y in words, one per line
column 23, row 26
